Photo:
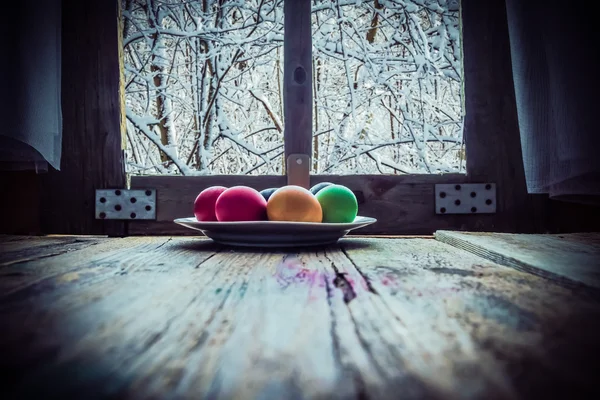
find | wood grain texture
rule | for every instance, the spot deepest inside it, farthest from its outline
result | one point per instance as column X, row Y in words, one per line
column 92, row 157
column 401, row 204
column 571, row 259
column 297, row 78
column 491, row 130
column 31, row 269
column 33, row 248
column 503, row 333
column 160, row 317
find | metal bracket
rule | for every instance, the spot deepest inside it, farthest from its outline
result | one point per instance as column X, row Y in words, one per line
column 126, row 204
column 298, row 170
column 465, row 198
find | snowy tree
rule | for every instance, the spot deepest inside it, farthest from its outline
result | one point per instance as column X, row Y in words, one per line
column 204, row 87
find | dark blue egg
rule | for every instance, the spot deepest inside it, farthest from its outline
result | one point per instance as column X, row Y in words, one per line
column 315, row 189
column 266, row 193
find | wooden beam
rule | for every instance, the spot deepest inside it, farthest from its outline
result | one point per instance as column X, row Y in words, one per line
column 491, row 131
column 405, row 204
column 297, row 90
column 401, row 204
column 573, row 260
column 92, row 157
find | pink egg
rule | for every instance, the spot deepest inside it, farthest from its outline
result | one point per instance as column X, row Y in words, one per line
column 241, row 203
column 204, row 205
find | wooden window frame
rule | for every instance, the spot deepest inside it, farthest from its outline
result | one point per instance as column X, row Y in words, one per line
column 403, row 204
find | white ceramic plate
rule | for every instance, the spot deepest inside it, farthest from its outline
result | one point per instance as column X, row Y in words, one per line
column 274, row 233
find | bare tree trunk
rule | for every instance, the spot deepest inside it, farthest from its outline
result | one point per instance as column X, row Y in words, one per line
column 127, row 21
column 279, row 78
column 191, row 57
column 316, row 88
column 215, row 77
column 199, row 101
column 280, row 91
column 164, row 105
column 374, row 23
column 206, row 139
column 158, row 67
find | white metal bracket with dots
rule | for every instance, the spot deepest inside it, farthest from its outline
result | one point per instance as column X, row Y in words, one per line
column 465, row 198
column 126, row 204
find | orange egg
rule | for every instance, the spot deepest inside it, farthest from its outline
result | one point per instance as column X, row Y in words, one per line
column 294, row 203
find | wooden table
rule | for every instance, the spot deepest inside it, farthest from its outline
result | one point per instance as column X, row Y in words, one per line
column 369, row 318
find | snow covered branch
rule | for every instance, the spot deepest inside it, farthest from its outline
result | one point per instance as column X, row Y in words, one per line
column 204, row 86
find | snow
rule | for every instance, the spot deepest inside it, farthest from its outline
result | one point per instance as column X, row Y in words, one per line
column 389, row 106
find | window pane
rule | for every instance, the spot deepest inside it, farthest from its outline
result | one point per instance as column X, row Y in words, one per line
column 204, row 90
column 203, row 86
column 387, row 87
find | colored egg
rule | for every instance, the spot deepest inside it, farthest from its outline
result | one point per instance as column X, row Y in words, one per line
column 241, row 203
column 315, row 189
column 266, row 193
column 204, row 205
column 338, row 203
column 293, row 203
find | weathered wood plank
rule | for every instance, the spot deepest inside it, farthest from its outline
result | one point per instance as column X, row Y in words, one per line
column 93, row 300
column 35, row 248
column 158, row 317
column 17, row 242
column 588, row 238
column 477, row 329
column 28, row 273
column 92, row 157
column 416, row 335
column 238, row 325
column 401, row 204
column 200, row 329
column 297, row 89
column 398, row 364
column 574, row 261
column 262, row 333
column 297, row 75
column 491, row 131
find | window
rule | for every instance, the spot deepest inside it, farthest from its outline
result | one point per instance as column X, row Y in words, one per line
column 204, row 87
column 403, row 203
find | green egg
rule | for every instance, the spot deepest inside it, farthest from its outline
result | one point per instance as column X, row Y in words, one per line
column 338, row 203
column 319, row 186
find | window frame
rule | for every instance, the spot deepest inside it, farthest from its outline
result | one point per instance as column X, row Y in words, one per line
column 403, row 204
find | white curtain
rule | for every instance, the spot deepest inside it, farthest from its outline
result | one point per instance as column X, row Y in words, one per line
column 555, row 53
column 30, row 69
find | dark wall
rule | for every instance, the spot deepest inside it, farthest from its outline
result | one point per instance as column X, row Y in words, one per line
column 20, row 202
column 62, row 202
